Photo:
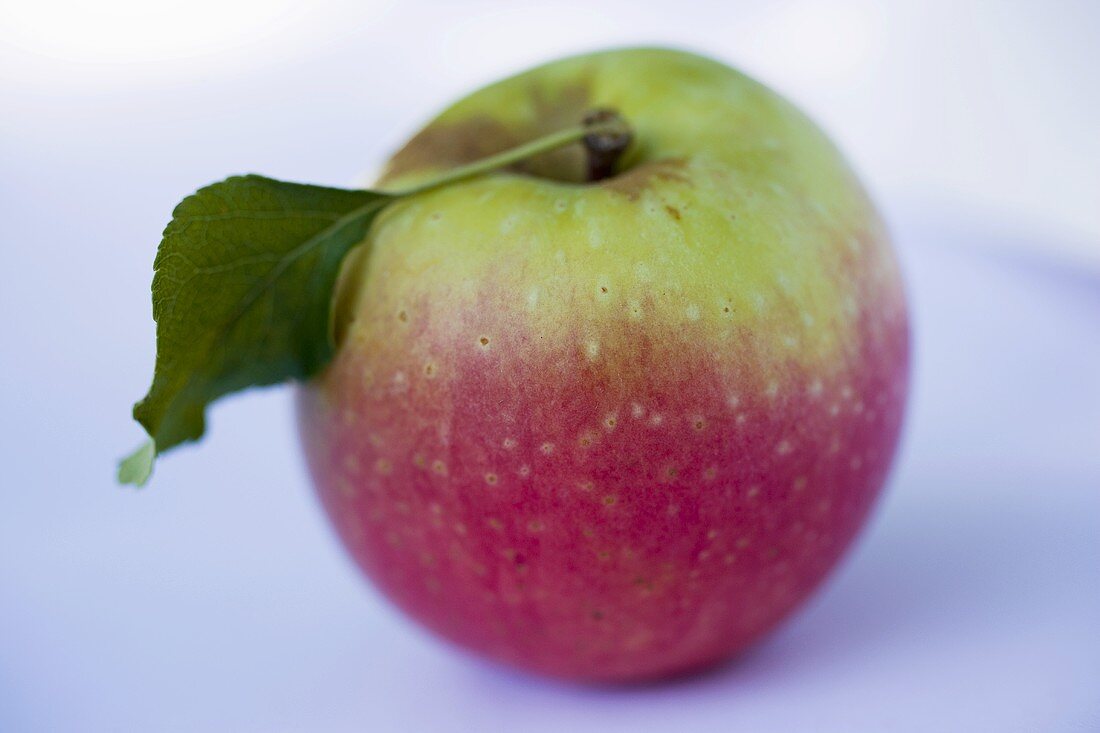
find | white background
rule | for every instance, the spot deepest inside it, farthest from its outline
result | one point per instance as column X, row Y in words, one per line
column 217, row 599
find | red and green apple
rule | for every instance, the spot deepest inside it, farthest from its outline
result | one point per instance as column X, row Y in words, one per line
column 612, row 429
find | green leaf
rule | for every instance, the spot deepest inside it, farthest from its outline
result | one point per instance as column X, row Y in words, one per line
column 242, row 296
column 243, row 285
column 137, row 467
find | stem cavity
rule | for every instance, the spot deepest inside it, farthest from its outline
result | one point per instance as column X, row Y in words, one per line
column 604, row 132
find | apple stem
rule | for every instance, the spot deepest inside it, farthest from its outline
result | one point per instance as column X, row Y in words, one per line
column 604, row 132
column 608, row 138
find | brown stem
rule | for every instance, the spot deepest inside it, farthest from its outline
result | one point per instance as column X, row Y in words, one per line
column 605, row 145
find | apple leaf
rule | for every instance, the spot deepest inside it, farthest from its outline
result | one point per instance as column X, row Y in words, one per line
column 138, row 466
column 243, row 285
column 242, row 296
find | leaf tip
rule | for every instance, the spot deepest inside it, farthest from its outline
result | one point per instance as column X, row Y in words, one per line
column 136, row 468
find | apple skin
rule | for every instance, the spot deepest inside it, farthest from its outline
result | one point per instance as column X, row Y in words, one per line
column 613, row 431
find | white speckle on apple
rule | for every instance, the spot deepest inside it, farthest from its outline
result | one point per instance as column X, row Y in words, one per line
column 800, row 483
column 637, row 410
column 509, row 443
column 383, row 466
column 816, row 388
column 783, row 447
column 692, row 312
column 351, row 463
column 640, row 639
column 634, row 308
column 733, row 401
column 610, row 421
column 547, row 448
column 595, row 236
column 777, row 188
column 533, row 298
column 656, row 419
column 783, row 280
column 772, row 390
column 856, row 463
column 592, row 348
column 641, row 270
column 524, row 470
column 346, row 488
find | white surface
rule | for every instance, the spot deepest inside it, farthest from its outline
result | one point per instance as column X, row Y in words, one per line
column 217, row 600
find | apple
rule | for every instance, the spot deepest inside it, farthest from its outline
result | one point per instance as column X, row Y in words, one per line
column 614, row 429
